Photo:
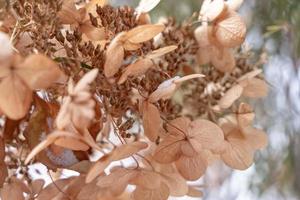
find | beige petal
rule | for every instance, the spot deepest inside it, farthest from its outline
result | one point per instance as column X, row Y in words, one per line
column 151, row 121
column 234, row 4
column 98, row 168
column 38, row 71
column 249, row 75
column 176, row 184
column 87, row 79
column 126, row 150
column 114, row 56
column 160, row 193
column 255, row 88
column 191, row 168
column 187, row 149
column 245, row 115
column 136, row 69
column 211, row 10
column 204, row 55
column 146, row 179
column 179, row 127
column 238, row 154
column 231, row 96
column 118, row 175
column 230, row 31
column 168, row 150
column 6, row 47
column 258, row 139
column 129, row 46
column 15, row 97
column 71, row 143
column 201, row 34
column 146, row 5
column 194, row 192
column 208, row 133
column 223, row 59
column 161, row 51
column 144, row 33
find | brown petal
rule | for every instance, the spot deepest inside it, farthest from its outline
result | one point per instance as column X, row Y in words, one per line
column 114, row 56
column 68, row 13
column 38, row 71
column 49, row 192
column 144, row 33
column 223, row 59
column 255, row 88
column 230, row 31
column 168, row 150
column 250, row 75
column 37, row 185
column 93, row 33
column 160, row 193
column 151, row 121
column 191, row 168
column 87, row 79
column 161, row 51
column 11, row 192
column 208, row 133
column 15, row 97
column 92, row 5
column 136, row 69
column 231, row 96
column 188, row 150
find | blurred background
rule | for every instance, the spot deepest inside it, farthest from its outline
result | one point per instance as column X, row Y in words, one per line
column 274, row 30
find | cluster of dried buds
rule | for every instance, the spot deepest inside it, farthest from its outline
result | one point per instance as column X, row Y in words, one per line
column 117, row 125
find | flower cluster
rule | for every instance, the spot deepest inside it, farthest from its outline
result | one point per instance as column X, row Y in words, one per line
column 106, row 93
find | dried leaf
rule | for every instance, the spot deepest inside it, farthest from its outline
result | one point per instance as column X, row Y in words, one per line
column 193, row 192
column 176, row 184
column 37, row 185
column 71, row 143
